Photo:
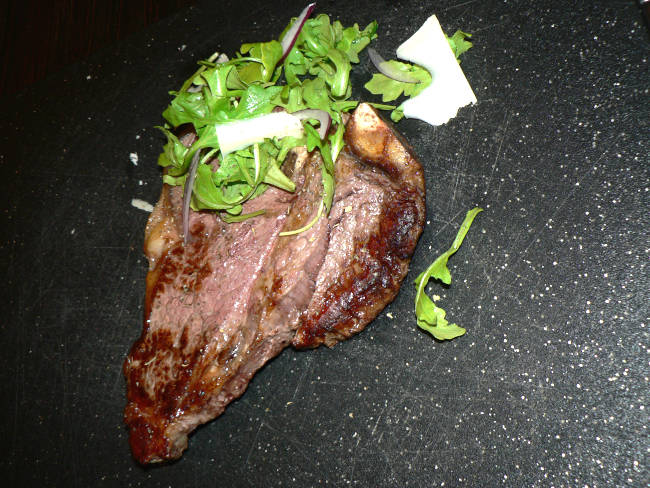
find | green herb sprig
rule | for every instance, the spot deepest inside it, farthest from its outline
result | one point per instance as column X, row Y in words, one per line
column 430, row 317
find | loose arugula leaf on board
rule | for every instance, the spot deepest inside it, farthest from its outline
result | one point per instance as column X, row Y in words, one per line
column 429, row 316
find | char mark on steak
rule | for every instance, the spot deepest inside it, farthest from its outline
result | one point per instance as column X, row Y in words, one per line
column 218, row 308
column 375, row 222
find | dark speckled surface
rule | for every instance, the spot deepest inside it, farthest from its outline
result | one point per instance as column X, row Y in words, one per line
column 549, row 387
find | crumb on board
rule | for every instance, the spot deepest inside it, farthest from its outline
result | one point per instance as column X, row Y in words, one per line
column 142, row 205
column 134, row 158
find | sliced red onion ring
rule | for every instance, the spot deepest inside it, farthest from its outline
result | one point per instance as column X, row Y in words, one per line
column 321, row 115
column 187, row 195
column 386, row 69
column 290, row 37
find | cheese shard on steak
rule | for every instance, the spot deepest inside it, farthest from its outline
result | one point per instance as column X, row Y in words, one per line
column 218, row 308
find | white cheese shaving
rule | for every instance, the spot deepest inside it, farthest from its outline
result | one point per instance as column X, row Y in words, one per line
column 239, row 134
column 449, row 89
column 142, row 205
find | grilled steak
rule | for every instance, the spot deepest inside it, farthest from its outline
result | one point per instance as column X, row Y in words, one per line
column 218, row 308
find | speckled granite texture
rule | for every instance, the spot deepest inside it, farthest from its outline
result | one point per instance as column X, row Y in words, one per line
column 549, row 387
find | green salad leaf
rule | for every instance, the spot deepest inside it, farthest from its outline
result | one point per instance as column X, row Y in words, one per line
column 459, row 44
column 390, row 89
column 316, row 76
column 429, row 316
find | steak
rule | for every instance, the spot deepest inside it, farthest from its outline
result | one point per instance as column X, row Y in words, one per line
column 222, row 305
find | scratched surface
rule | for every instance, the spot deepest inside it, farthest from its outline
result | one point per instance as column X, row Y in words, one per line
column 549, row 387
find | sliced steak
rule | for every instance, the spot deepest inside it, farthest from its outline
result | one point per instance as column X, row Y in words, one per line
column 375, row 222
column 221, row 306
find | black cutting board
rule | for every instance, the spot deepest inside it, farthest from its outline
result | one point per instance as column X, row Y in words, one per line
column 549, row 387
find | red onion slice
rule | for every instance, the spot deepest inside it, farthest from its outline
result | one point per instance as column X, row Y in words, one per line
column 387, row 70
column 289, row 39
column 187, row 195
column 321, row 115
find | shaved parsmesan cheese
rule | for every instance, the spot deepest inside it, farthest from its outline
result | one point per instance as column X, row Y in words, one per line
column 449, row 89
column 239, row 134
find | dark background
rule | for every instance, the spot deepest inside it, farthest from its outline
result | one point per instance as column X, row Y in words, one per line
column 39, row 37
column 549, row 387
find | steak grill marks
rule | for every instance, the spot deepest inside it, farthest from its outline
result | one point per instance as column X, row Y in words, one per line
column 219, row 308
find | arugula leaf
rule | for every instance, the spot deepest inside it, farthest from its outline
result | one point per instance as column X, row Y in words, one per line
column 266, row 56
column 229, row 219
column 186, row 107
column 217, row 80
column 397, row 114
column 314, row 94
column 328, row 188
column 274, row 176
column 173, row 152
column 391, row 89
column 458, row 43
column 205, row 194
column 256, row 100
column 353, row 41
column 316, row 71
column 429, row 316
column 315, row 74
column 295, row 65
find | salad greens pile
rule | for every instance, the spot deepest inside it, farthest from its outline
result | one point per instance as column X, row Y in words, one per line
column 391, row 89
column 314, row 74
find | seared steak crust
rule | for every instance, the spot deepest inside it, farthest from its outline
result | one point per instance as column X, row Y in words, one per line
column 221, row 306
column 375, row 222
